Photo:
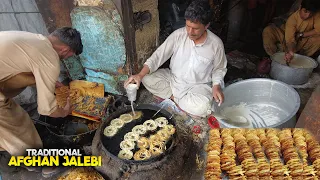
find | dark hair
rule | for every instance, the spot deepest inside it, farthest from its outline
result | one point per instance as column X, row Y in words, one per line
column 199, row 11
column 70, row 37
column 310, row 5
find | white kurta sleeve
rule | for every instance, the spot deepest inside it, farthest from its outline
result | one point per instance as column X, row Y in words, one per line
column 163, row 53
column 219, row 67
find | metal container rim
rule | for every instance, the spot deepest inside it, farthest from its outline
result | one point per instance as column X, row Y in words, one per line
column 296, row 95
column 315, row 63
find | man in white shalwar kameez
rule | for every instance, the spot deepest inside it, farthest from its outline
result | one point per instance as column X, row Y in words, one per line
column 197, row 67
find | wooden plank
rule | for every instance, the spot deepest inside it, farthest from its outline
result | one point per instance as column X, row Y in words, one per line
column 129, row 31
column 310, row 116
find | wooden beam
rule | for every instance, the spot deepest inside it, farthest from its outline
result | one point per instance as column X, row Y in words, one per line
column 129, row 32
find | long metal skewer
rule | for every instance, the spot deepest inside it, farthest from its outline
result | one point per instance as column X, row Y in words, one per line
column 158, row 111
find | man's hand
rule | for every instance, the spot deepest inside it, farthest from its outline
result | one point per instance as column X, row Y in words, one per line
column 133, row 79
column 138, row 77
column 288, row 56
column 217, row 94
column 59, row 84
column 67, row 108
column 62, row 112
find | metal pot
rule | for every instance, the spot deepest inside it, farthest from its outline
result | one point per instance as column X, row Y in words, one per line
column 271, row 102
column 77, row 140
column 292, row 75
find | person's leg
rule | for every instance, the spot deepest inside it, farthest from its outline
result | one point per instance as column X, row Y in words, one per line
column 309, row 46
column 197, row 102
column 271, row 36
column 158, row 83
column 17, row 131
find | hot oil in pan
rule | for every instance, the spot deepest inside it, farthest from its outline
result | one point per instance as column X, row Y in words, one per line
column 113, row 144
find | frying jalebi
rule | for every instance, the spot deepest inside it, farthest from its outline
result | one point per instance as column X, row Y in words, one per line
column 110, row 131
column 161, row 121
column 131, row 136
column 142, row 154
column 157, row 147
column 143, row 143
column 139, row 129
column 154, row 137
column 126, row 118
column 117, row 123
column 163, row 135
column 127, row 144
column 125, row 154
column 170, row 129
column 150, row 124
column 136, row 115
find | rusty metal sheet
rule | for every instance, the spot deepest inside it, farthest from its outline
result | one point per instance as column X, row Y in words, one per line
column 74, row 68
column 112, row 83
column 55, row 13
column 102, row 37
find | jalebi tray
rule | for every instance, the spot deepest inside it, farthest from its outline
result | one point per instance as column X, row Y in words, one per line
column 262, row 154
column 62, row 94
column 92, row 108
column 81, row 173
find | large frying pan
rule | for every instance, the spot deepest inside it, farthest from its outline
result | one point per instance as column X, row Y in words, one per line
column 111, row 146
column 76, row 141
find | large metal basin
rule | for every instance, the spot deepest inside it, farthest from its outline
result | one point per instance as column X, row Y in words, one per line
column 270, row 103
column 297, row 73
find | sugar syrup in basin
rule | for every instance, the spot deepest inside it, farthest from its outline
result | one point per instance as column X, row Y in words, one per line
column 262, row 102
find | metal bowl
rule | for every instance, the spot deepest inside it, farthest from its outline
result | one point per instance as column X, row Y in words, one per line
column 298, row 71
column 272, row 103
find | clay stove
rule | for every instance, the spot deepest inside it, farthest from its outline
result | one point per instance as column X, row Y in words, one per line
column 166, row 166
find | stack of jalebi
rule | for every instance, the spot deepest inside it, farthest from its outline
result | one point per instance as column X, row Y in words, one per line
column 228, row 156
column 213, row 169
column 272, row 150
column 254, row 143
column 313, row 149
column 245, row 155
column 289, row 153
